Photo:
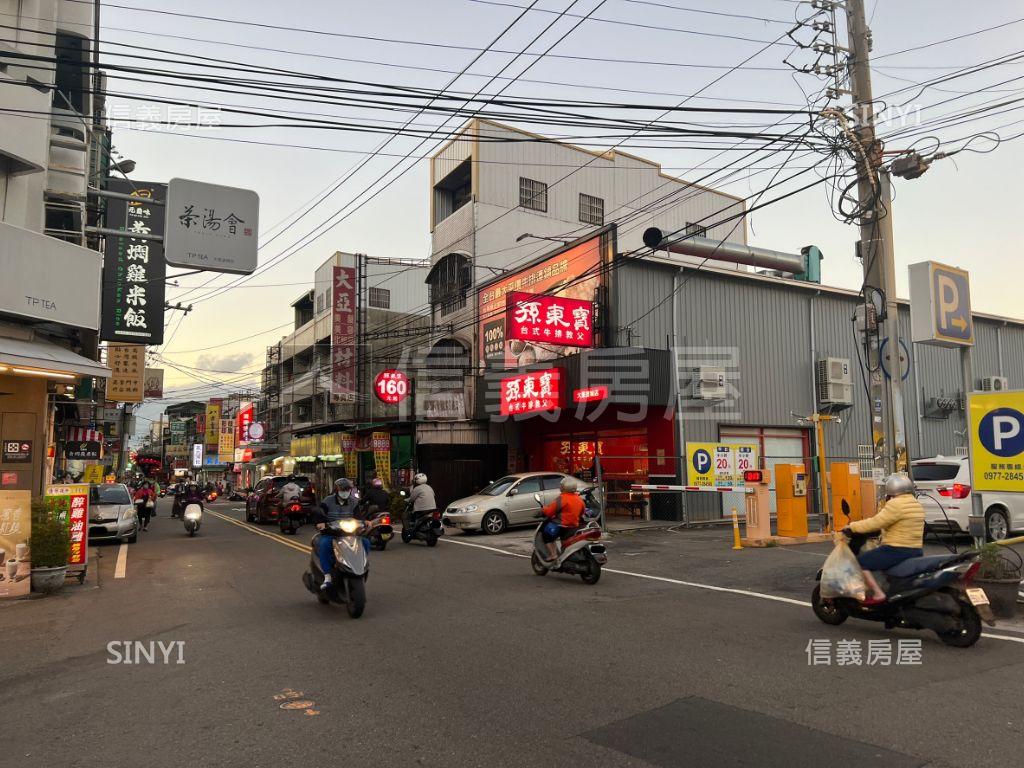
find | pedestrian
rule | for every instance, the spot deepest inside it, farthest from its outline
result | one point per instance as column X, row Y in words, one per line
column 145, row 503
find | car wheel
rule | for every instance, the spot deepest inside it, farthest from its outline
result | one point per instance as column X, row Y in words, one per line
column 997, row 524
column 134, row 537
column 493, row 523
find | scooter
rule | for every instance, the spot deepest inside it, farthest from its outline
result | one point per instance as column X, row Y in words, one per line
column 582, row 554
column 292, row 517
column 381, row 532
column 931, row 593
column 351, row 567
column 422, row 527
column 193, row 517
column 211, row 496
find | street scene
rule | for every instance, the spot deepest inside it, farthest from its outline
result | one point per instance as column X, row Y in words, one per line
column 477, row 383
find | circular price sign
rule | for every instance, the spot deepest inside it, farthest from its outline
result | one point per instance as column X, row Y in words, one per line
column 391, row 386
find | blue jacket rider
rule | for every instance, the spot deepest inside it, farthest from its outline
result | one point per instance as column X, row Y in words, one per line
column 339, row 505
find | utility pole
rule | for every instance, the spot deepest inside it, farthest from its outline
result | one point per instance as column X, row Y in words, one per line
column 888, row 432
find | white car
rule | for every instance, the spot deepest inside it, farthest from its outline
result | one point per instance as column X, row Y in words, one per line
column 944, row 488
column 505, row 503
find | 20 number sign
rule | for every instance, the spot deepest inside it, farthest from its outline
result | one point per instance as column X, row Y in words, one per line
column 391, row 386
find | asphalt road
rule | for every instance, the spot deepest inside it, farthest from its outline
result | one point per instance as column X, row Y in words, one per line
column 465, row 658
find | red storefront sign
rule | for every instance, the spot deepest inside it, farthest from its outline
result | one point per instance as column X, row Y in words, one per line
column 531, row 392
column 343, row 334
column 554, row 320
column 242, row 422
column 391, row 386
column 77, row 515
column 589, row 395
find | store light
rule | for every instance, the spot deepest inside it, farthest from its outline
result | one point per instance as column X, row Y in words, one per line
column 47, row 374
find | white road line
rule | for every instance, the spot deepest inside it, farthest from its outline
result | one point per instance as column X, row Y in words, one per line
column 696, row 585
column 122, row 562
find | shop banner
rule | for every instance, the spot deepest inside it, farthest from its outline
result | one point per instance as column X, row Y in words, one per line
column 177, row 435
column 213, row 408
column 718, row 465
column 153, row 386
column 572, row 274
column 71, row 504
column 127, row 363
column 17, row 452
column 197, row 454
column 381, row 442
column 134, row 270
column 15, row 529
column 88, row 450
column 242, row 422
column 348, row 448
column 93, row 474
column 343, row 335
column 226, row 441
column 997, row 440
column 555, row 320
column 531, row 392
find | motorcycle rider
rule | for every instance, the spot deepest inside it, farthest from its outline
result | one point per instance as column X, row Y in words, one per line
column 901, row 521
column 563, row 516
column 340, row 504
column 291, row 491
column 376, row 496
column 421, row 496
column 143, row 498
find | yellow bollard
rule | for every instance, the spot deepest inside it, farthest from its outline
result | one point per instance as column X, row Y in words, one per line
column 735, row 531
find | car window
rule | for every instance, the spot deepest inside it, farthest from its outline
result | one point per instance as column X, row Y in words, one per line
column 529, row 485
column 498, row 488
column 936, row 471
column 109, row 494
column 281, row 482
column 551, row 482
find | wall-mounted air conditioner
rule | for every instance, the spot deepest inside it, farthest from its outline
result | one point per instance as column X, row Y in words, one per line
column 835, row 383
column 995, row 384
column 708, row 383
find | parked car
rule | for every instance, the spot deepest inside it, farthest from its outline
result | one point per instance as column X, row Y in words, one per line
column 263, row 504
column 112, row 515
column 947, row 480
column 506, row 503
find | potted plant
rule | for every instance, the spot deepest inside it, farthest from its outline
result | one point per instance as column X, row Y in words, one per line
column 1000, row 577
column 48, row 544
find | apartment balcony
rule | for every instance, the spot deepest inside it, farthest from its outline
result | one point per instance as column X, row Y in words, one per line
column 68, row 171
column 22, row 144
column 454, row 233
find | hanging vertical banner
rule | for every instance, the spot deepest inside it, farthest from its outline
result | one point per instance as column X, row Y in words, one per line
column 343, row 336
column 154, row 383
column 15, row 529
column 134, row 269
column 213, row 408
column 242, row 422
column 71, row 504
column 226, row 441
column 197, row 454
column 348, row 448
column 127, row 363
column 381, row 443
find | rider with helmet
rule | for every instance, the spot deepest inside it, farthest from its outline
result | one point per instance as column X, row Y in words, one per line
column 421, row 497
column 376, row 496
column 340, row 504
column 563, row 516
column 901, row 521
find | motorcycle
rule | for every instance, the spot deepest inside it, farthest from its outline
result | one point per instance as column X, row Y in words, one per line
column 293, row 515
column 932, row 593
column 422, row 527
column 193, row 517
column 582, row 554
column 381, row 532
column 211, row 497
column 351, row 567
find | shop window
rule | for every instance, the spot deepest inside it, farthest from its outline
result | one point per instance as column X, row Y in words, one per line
column 72, row 72
column 533, row 195
column 448, row 283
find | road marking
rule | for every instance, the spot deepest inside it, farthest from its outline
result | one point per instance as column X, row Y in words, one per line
column 273, row 537
column 697, row 585
column 122, row 561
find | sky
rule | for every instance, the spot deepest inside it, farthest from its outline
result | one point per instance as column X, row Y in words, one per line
column 960, row 212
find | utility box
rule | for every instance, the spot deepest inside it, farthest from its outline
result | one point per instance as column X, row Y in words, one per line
column 791, row 499
column 844, row 478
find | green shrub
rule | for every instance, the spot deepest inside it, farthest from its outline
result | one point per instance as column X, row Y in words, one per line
column 997, row 564
column 49, row 540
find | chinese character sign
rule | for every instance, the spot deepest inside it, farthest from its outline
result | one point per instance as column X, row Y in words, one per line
column 154, row 387
column 531, row 392
column 212, row 227
column 127, row 363
column 572, row 276
column 343, row 334
column 134, row 269
column 242, row 422
column 391, row 386
column 213, row 408
column 71, row 504
column 555, row 320
column 15, row 528
column 226, row 441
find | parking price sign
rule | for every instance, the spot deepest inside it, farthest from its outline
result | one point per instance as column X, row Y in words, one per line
column 718, row 465
column 997, row 440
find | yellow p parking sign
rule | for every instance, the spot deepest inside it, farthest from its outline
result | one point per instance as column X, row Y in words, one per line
column 997, row 440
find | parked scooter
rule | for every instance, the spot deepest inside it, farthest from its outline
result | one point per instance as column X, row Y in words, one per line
column 923, row 593
column 421, row 527
column 351, row 567
column 582, row 554
column 193, row 517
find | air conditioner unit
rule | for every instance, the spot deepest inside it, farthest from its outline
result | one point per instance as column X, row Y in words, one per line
column 709, row 383
column 995, row 384
column 835, row 383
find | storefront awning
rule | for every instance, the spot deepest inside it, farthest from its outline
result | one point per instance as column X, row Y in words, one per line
column 43, row 357
column 264, row 460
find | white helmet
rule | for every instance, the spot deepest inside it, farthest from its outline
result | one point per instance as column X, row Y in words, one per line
column 419, row 478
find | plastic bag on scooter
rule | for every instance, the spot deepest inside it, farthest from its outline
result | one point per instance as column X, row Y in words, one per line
column 841, row 576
